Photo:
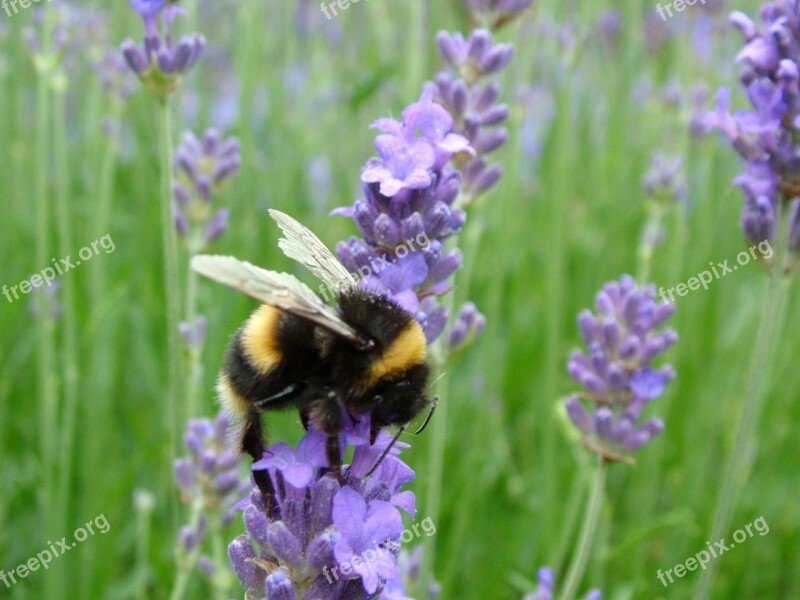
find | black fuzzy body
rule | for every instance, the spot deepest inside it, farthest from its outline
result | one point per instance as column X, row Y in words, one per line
column 322, row 373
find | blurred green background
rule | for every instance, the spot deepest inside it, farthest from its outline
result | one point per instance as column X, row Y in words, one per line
column 595, row 88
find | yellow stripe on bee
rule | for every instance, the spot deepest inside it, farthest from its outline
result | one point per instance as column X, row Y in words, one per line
column 408, row 349
column 260, row 339
column 231, row 400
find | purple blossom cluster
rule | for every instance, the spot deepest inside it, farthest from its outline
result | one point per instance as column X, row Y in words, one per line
column 324, row 538
column 664, row 181
column 203, row 168
column 407, row 212
column 209, row 479
column 546, row 581
column 158, row 62
column 467, row 91
column 765, row 135
column 617, row 371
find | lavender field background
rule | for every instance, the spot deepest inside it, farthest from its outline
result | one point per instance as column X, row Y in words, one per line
column 609, row 169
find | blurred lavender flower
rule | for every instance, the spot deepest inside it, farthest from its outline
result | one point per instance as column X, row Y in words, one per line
column 203, row 169
column 75, row 33
column 115, row 75
column 45, row 298
column 406, row 213
column 665, row 182
column 617, row 371
column 546, row 581
column 324, row 539
column 766, row 135
column 193, row 336
column 472, row 100
column 210, row 481
column 664, row 186
column 211, row 471
column 496, row 13
column 158, row 63
column 409, row 564
column 468, row 325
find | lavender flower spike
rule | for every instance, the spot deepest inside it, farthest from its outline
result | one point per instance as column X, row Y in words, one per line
column 546, row 581
column 158, row 62
column 765, row 134
column 466, row 90
column 406, row 212
column 203, row 168
column 210, row 482
column 325, row 539
column 617, row 371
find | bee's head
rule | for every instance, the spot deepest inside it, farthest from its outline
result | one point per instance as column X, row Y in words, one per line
column 398, row 400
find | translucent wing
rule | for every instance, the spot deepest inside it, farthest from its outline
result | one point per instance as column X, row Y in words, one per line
column 280, row 290
column 306, row 248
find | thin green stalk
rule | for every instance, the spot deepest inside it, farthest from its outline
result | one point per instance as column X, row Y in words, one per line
column 45, row 323
column 737, row 470
column 222, row 577
column 69, row 319
column 96, row 417
column 194, row 367
column 102, row 211
column 433, row 490
column 555, row 217
column 581, row 556
column 175, row 371
column 187, row 563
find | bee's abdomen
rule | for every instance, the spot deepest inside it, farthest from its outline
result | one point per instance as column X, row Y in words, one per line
column 271, row 351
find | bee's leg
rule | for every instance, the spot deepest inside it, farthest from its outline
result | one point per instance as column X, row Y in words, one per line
column 334, row 453
column 327, row 416
column 253, row 444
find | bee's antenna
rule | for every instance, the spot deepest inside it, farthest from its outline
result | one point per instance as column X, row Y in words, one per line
column 430, row 414
column 388, row 449
column 435, row 381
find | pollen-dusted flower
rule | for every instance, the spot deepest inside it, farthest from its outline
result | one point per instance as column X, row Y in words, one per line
column 617, row 371
column 158, row 62
column 323, row 538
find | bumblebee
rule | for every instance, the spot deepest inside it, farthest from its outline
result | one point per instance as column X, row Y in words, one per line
column 366, row 355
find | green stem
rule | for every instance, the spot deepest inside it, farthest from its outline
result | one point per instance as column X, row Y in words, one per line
column 171, row 286
column 194, row 367
column 45, row 323
column 737, row 470
column 646, row 247
column 438, row 426
column 186, row 563
column 222, row 576
column 578, row 566
column 69, row 359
